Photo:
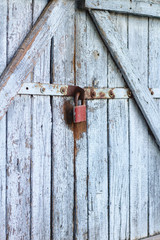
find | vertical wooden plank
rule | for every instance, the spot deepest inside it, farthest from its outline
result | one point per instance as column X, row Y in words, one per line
column 41, row 154
column 118, row 148
column 3, row 60
column 97, row 167
column 63, row 135
column 96, row 59
column 41, row 143
column 154, row 156
column 138, row 46
column 81, row 161
column 19, row 133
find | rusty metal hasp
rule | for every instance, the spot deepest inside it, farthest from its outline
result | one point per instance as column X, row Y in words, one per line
column 79, row 111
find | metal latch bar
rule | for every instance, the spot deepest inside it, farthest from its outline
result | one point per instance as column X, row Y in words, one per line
column 44, row 89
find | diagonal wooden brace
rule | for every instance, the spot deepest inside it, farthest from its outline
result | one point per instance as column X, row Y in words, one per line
column 140, row 7
column 25, row 58
column 121, row 56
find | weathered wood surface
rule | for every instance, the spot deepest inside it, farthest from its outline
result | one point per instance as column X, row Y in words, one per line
column 96, row 57
column 81, row 156
column 3, row 62
column 41, row 145
column 41, row 155
column 65, row 182
column 18, row 152
column 62, row 132
column 143, row 8
column 154, row 156
column 118, row 148
column 138, row 48
column 24, row 60
column 123, row 59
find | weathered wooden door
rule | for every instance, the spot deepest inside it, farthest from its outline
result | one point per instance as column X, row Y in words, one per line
column 97, row 180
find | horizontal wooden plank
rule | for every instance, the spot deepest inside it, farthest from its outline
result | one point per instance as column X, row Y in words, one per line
column 122, row 58
column 26, row 56
column 44, row 89
column 157, row 237
column 142, row 8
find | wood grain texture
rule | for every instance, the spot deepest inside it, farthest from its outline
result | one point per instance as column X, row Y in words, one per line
column 96, row 58
column 41, row 146
column 3, row 61
column 143, row 8
column 63, row 134
column 97, row 167
column 154, row 156
column 18, row 134
column 25, row 58
column 123, row 59
column 138, row 47
column 41, row 155
column 118, row 148
column 75, row 183
column 81, row 160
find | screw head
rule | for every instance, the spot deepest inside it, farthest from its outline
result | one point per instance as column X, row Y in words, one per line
column 93, row 93
column 62, row 90
column 42, row 90
column 129, row 93
column 111, row 94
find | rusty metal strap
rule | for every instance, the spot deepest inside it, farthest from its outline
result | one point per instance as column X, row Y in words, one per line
column 44, row 89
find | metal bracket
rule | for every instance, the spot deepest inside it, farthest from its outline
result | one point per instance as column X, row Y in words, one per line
column 45, row 89
column 89, row 93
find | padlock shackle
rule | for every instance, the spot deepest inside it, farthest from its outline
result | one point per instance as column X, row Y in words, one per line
column 77, row 98
column 72, row 90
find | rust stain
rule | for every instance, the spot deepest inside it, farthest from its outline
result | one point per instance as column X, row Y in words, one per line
column 38, row 85
column 102, row 95
column 79, row 129
column 68, row 114
column 87, row 94
column 129, row 93
column 150, row 89
column 111, row 94
column 79, row 64
column 75, row 150
column 93, row 93
column 63, row 90
column 42, row 90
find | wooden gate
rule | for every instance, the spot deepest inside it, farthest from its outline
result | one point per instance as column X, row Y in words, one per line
column 97, row 180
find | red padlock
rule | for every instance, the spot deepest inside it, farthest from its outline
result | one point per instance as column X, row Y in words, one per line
column 79, row 111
